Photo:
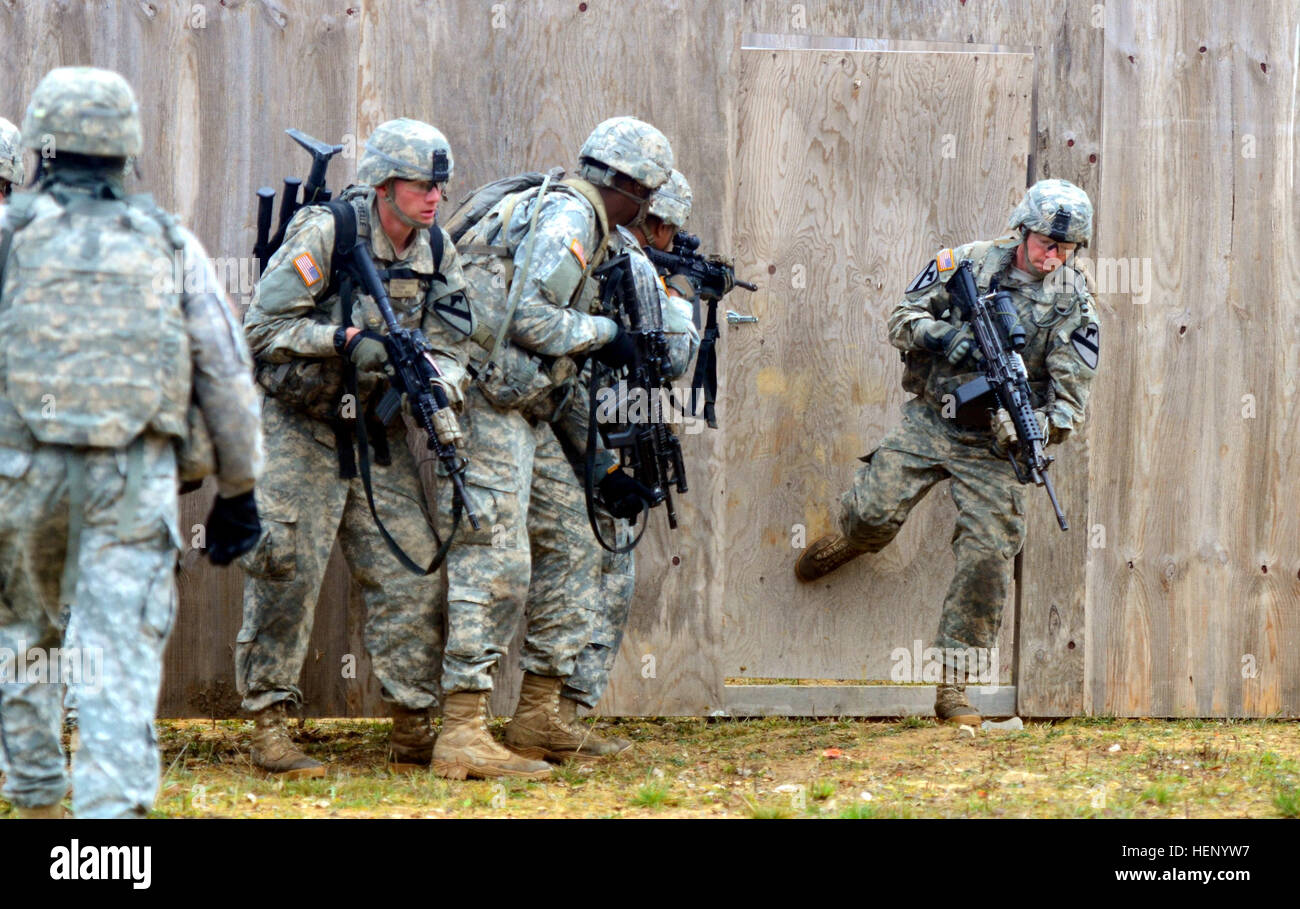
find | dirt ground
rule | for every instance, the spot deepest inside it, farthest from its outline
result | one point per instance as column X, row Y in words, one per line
column 770, row 768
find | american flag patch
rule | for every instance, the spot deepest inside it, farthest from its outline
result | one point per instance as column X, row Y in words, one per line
column 307, row 269
column 578, row 252
column 945, row 260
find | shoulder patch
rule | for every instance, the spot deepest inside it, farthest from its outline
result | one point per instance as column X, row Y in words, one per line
column 927, row 278
column 307, row 269
column 945, row 260
column 1087, row 343
column 575, row 247
column 454, row 309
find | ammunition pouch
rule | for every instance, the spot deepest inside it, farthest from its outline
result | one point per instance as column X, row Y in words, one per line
column 313, row 387
column 525, row 381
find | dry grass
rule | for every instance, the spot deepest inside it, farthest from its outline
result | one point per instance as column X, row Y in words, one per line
column 771, row 768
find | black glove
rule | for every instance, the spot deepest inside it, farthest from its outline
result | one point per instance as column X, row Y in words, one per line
column 623, row 495
column 619, row 352
column 233, row 528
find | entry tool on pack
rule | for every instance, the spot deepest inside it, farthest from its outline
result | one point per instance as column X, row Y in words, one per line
column 1005, row 382
column 312, row 194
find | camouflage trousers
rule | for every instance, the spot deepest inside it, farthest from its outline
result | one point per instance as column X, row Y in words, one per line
column 123, row 606
column 533, row 555
column 617, row 584
column 912, row 458
column 304, row 507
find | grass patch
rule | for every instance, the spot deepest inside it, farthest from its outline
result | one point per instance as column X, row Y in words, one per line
column 652, row 795
column 1287, row 801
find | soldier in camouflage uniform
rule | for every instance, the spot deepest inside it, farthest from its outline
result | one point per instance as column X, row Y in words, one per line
column 113, row 380
column 528, row 265
column 11, row 159
column 670, row 207
column 11, row 175
column 296, row 329
column 940, row 353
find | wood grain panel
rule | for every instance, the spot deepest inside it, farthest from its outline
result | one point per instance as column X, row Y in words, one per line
column 855, row 167
column 1193, row 606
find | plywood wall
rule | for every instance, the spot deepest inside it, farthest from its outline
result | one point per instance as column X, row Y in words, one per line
column 1177, row 591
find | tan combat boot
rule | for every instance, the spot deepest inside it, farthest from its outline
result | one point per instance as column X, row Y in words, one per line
column 824, row 556
column 545, row 724
column 951, row 706
column 273, row 750
column 410, row 743
column 43, row 811
column 595, row 745
column 465, row 748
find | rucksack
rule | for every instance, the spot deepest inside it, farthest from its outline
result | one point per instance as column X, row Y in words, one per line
column 93, row 332
column 466, row 229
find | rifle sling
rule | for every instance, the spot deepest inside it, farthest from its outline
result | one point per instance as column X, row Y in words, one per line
column 706, row 367
column 359, row 429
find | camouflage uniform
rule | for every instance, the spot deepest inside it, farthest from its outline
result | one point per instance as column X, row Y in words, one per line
column 305, row 505
column 1061, row 325
column 119, row 578
column 672, row 204
column 528, row 263
column 533, row 544
column 11, row 155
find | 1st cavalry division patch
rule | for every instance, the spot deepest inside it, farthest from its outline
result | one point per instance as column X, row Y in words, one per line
column 1087, row 343
column 928, row 276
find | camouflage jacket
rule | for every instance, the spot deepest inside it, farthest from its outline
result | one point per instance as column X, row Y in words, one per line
column 224, row 407
column 1058, row 314
column 295, row 312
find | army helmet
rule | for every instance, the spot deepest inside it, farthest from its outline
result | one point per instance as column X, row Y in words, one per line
column 671, row 202
column 11, row 153
column 84, row 110
column 406, row 149
column 630, row 147
column 1057, row 209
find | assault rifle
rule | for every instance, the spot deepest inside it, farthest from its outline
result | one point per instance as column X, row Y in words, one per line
column 715, row 278
column 649, row 449
column 413, row 371
column 1004, row 382
column 713, row 275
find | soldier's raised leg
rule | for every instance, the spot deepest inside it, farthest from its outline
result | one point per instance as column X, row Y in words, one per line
column 884, row 492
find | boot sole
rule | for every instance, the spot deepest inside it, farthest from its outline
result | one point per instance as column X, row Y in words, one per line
column 962, row 719
column 407, row 767
column 537, row 753
column 457, row 770
column 301, row 773
column 816, row 573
